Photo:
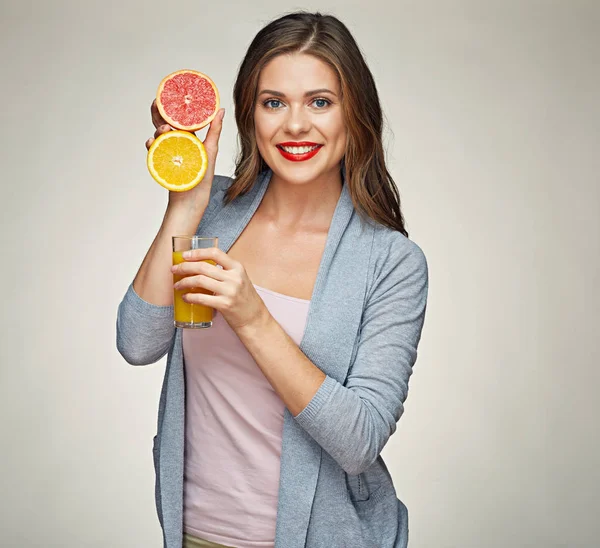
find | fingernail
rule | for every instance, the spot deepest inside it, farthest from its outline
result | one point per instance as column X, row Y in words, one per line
column 222, row 115
column 187, row 254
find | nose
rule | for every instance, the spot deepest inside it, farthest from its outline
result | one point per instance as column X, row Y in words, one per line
column 297, row 121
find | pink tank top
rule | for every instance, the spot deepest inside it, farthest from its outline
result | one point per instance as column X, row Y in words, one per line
column 233, row 432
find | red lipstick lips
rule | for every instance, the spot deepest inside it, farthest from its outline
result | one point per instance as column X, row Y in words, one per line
column 299, row 157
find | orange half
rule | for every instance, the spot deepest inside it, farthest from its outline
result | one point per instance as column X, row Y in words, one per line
column 177, row 160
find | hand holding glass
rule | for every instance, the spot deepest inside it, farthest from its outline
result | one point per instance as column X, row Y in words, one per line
column 191, row 315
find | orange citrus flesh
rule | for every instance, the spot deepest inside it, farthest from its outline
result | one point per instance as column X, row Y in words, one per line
column 187, row 99
column 177, row 160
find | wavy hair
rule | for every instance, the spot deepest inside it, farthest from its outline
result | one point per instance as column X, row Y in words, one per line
column 370, row 184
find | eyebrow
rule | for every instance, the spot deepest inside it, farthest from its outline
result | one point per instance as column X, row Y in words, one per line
column 307, row 94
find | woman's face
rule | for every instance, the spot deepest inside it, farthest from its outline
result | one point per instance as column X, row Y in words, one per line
column 298, row 108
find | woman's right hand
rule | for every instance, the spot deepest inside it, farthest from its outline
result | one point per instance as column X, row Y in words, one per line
column 200, row 193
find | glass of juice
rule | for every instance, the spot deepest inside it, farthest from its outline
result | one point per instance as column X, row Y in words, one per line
column 195, row 316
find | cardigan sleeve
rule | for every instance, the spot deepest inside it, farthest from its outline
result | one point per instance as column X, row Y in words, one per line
column 145, row 331
column 354, row 421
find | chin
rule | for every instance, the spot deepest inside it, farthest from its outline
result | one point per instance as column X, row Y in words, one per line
column 297, row 173
column 298, row 176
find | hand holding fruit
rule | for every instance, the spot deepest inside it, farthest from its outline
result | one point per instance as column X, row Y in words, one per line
column 186, row 101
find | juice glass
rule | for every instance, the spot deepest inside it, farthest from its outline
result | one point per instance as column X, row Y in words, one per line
column 191, row 315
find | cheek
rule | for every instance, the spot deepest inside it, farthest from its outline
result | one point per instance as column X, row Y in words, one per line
column 264, row 126
column 340, row 132
column 336, row 126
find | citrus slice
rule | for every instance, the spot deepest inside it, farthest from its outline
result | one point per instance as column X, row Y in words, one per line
column 187, row 99
column 177, row 160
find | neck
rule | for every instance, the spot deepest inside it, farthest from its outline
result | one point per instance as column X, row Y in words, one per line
column 307, row 205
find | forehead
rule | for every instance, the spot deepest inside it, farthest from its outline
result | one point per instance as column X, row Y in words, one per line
column 297, row 72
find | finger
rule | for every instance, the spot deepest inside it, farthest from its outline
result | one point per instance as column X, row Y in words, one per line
column 214, row 253
column 157, row 119
column 162, row 129
column 149, row 143
column 191, row 267
column 199, row 281
column 213, row 301
column 211, row 141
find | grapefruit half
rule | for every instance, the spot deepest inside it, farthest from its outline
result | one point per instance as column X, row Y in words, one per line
column 187, row 100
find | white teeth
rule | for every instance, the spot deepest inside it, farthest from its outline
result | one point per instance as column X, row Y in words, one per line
column 299, row 150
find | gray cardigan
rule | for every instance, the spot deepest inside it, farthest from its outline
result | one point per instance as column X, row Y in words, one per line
column 363, row 327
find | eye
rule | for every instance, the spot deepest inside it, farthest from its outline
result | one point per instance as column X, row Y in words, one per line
column 321, row 100
column 266, row 103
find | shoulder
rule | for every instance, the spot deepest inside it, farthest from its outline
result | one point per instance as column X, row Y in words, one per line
column 219, row 187
column 392, row 248
column 221, row 182
column 397, row 264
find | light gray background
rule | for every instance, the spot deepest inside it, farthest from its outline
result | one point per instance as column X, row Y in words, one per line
column 495, row 119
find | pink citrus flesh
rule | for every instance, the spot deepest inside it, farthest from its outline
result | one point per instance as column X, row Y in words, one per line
column 187, row 100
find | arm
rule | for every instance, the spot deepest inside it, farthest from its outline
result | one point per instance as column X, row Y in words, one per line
column 145, row 326
column 354, row 421
column 144, row 330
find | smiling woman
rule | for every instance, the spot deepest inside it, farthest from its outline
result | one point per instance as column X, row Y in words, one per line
column 272, row 422
column 305, row 71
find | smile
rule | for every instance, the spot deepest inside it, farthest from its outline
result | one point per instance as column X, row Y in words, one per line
column 298, row 153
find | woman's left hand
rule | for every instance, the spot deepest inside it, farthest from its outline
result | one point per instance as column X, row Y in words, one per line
column 234, row 295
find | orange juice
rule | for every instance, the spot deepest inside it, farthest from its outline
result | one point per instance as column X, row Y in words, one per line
column 189, row 313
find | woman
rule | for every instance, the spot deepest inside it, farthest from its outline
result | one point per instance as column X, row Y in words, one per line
column 271, row 422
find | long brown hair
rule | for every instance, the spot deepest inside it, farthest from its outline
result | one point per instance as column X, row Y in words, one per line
column 370, row 184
